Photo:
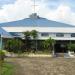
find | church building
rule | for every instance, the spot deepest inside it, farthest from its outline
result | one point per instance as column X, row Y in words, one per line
column 61, row 32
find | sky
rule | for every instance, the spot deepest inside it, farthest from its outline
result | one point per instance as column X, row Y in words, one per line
column 57, row 10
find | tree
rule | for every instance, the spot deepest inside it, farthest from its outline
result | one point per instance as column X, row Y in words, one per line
column 27, row 40
column 14, row 45
column 49, row 44
column 26, row 34
column 34, row 36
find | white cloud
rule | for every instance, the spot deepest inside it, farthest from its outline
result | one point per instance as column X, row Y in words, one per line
column 23, row 8
column 63, row 14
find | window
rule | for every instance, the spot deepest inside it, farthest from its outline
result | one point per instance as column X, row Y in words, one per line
column 73, row 35
column 59, row 35
column 15, row 34
column 45, row 34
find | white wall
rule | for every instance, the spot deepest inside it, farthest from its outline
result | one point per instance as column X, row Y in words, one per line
column 67, row 36
column 50, row 30
column 41, row 29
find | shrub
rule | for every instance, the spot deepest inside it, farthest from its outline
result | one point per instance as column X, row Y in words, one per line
column 71, row 47
column 2, row 55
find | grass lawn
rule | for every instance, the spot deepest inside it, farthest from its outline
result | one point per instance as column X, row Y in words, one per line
column 6, row 69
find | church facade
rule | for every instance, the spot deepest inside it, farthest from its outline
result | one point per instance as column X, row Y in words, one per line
column 61, row 32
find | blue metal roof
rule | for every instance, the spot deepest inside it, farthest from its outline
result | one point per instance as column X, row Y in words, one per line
column 4, row 33
column 34, row 21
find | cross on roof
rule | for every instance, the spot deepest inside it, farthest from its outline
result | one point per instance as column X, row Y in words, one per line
column 34, row 5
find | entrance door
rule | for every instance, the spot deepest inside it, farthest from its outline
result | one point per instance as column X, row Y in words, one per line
column 60, row 48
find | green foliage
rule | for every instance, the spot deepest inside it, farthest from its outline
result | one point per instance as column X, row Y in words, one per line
column 71, row 46
column 28, row 43
column 49, row 43
column 7, row 69
column 26, row 35
column 2, row 55
column 13, row 45
column 1, row 52
column 27, row 40
column 34, row 34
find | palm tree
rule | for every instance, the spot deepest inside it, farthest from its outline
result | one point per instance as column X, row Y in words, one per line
column 27, row 40
column 26, row 34
column 49, row 43
column 34, row 36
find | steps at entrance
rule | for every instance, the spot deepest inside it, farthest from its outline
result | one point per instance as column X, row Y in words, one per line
column 59, row 54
